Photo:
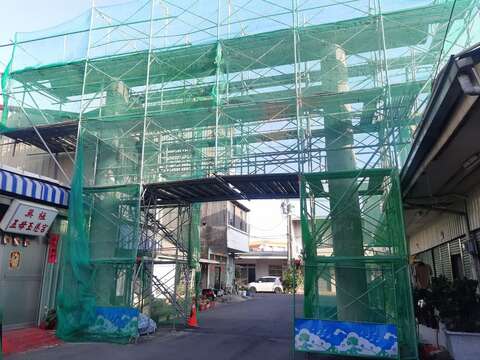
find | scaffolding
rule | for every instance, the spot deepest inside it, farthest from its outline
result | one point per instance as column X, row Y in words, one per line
column 356, row 258
column 165, row 260
column 167, row 103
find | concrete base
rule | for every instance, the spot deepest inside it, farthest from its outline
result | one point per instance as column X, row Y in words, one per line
column 428, row 335
column 463, row 346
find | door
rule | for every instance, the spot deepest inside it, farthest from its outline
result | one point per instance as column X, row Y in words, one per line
column 251, row 273
column 457, row 267
column 217, row 277
column 21, row 270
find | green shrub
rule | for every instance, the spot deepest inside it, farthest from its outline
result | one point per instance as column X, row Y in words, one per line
column 458, row 304
column 292, row 278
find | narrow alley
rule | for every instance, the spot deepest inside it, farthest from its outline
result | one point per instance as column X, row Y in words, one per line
column 256, row 329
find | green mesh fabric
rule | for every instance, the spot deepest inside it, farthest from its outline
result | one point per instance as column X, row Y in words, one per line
column 356, row 258
column 99, row 259
column 76, row 307
column 190, row 89
column 194, row 251
column 5, row 98
column 194, row 241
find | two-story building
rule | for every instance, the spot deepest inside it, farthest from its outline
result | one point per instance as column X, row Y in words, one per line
column 269, row 256
column 224, row 233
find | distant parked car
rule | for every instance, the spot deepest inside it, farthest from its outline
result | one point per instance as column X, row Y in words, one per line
column 266, row 284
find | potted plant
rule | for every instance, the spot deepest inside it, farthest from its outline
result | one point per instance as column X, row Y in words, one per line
column 458, row 306
column 242, row 290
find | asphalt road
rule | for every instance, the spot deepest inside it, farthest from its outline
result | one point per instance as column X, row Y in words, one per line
column 257, row 329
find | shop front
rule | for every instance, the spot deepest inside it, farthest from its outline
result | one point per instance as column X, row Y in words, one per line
column 32, row 221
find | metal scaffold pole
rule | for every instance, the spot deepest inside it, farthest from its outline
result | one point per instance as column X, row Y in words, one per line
column 170, row 104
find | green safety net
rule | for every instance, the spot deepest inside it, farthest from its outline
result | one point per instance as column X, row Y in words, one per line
column 166, row 91
column 194, row 251
column 356, row 258
column 95, row 293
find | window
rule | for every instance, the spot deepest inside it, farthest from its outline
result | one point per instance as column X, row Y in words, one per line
column 231, row 215
column 237, row 217
column 275, row 270
column 449, row 259
column 243, row 221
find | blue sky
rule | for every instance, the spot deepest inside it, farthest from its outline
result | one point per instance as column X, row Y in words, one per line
column 31, row 15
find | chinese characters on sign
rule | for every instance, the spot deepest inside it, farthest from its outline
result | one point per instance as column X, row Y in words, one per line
column 52, row 248
column 27, row 218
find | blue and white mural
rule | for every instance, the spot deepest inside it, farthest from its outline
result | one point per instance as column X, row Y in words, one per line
column 116, row 322
column 346, row 338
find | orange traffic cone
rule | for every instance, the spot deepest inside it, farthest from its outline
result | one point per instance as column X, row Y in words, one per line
column 192, row 319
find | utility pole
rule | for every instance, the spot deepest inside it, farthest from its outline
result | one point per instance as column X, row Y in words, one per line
column 287, row 210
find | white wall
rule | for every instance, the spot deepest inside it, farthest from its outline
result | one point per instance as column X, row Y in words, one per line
column 447, row 226
column 443, row 228
column 237, row 240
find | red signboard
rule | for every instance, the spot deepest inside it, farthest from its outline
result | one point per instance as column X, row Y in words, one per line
column 52, row 248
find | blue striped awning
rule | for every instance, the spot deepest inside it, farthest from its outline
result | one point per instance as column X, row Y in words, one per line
column 35, row 189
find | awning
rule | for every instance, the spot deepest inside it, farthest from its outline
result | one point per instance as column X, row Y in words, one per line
column 207, row 261
column 270, row 255
column 444, row 158
column 33, row 189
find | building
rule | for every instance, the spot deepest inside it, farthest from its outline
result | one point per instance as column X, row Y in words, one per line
column 30, row 264
column 224, row 233
column 32, row 223
column 441, row 177
column 269, row 257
